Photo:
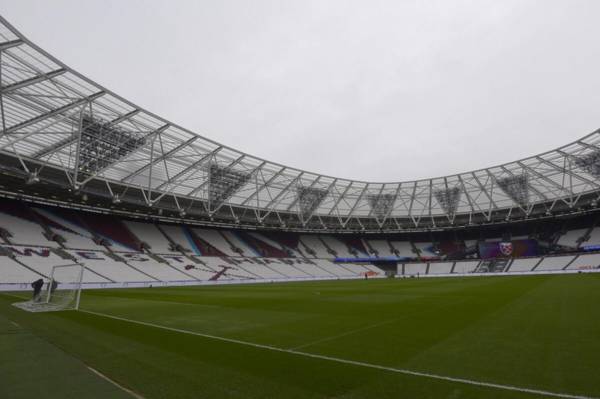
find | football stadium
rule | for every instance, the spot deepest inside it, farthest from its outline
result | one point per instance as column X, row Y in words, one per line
column 140, row 259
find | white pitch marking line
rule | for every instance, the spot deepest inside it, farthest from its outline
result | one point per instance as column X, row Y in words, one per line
column 344, row 334
column 14, row 296
column 352, row 362
column 121, row 387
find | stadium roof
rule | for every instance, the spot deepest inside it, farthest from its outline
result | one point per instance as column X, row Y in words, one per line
column 63, row 129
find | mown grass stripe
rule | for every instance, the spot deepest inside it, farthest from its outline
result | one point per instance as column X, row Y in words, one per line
column 534, row 391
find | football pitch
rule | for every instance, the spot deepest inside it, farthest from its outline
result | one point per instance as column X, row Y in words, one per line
column 475, row 337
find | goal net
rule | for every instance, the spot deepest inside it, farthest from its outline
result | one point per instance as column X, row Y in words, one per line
column 62, row 292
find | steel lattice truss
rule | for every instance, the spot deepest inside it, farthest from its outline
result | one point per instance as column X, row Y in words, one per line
column 53, row 118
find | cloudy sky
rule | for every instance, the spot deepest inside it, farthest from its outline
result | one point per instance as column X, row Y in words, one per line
column 371, row 90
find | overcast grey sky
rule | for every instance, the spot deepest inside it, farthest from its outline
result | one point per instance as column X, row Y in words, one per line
column 371, row 90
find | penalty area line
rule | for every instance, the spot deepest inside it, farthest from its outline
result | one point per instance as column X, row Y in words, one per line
column 109, row 380
column 352, row 362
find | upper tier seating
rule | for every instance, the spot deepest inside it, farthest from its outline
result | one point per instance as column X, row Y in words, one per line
column 111, row 228
column 426, row 249
column 151, row 235
column 381, row 246
column 404, row 249
column 594, row 237
column 339, row 247
column 275, row 244
column 214, row 238
column 262, row 247
column 569, row 239
column 24, row 232
column 76, row 236
column 314, row 243
column 180, row 237
column 237, row 242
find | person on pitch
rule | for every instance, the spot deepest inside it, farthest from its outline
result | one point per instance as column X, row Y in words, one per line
column 37, row 286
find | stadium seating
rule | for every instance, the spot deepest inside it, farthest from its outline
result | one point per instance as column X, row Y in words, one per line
column 111, row 228
column 404, row 249
column 571, row 237
column 24, row 232
column 594, row 238
column 523, row 265
column 413, row 269
column 108, row 268
column 313, row 243
column 216, row 239
column 426, row 250
column 112, row 250
column 336, row 269
column 160, row 271
column 151, row 235
column 585, row 262
column 73, row 228
column 463, row 267
column 179, row 236
column 195, row 271
column 262, row 246
column 381, row 246
column 336, row 245
column 554, row 263
column 440, row 267
column 12, row 272
column 287, row 269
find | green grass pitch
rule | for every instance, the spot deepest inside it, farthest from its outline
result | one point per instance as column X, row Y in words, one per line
column 258, row 341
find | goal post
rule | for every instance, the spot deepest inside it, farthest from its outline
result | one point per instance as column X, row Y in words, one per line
column 63, row 291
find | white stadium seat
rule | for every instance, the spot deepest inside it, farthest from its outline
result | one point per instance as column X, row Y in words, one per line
column 523, row 265
column 585, row 262
column 569, row 239
column 151, row 235
column 214, row 238
column 24, row 232
column 440, row 267
column 413, row 269
column 554, row 263
column 313, row 242
column 463, row 267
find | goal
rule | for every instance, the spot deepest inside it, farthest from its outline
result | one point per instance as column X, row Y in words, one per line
column 63, row 291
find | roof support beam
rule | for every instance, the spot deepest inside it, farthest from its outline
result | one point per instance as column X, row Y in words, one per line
column 52, row 113
column 149, row 137
column 160, row 158
column 70, row 140
column 174, row 179
column 204, row 183
column 11, row 44
column 31, row 81
column 264, row 185
column 566, row 171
